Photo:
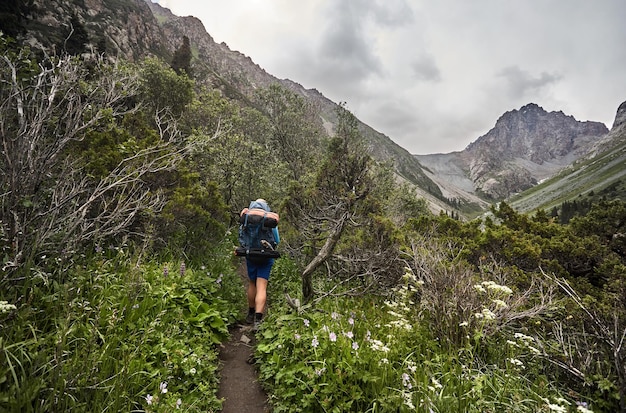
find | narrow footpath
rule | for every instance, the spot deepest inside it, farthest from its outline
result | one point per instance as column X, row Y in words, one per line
column 239, row 386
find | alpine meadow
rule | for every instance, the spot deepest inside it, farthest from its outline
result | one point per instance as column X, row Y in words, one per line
column 131, row 141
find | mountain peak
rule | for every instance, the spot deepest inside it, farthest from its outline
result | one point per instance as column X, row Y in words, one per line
column 620, row 117
column 531, row 107
column 525, row 146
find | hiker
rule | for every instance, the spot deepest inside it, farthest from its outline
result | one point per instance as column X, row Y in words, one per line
column 258, row 237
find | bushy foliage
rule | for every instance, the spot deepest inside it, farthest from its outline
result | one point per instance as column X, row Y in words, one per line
column 494, row 314
column 120, row 337
column 382, row 355
column 192, row 221
column 163, row 89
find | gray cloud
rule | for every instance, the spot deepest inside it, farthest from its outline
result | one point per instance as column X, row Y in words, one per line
column 344, row 47
column 425, row 69
column 520, row 83
column 390, row 13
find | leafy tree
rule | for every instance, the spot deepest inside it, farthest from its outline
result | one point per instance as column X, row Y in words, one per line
column 164, row 90
column 229, row 147
column 50, row 206
column 339, row 197
column 295, row 134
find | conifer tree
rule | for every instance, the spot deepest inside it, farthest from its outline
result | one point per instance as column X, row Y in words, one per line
column 181, row 62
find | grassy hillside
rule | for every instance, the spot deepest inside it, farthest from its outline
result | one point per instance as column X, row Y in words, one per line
column 598, row 177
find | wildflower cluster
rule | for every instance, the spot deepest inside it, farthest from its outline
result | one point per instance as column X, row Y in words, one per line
column 5, row 307
column 154, row 400
column 524, row 341
column 561, row 405
column 403, row 305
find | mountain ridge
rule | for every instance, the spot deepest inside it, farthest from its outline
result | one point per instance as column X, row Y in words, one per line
column 524, row 147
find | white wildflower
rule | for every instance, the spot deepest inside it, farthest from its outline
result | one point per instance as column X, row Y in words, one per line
column 500, row 304
column 5, row 307
column 556, row 408
column 408, row 400
column 411, row 366
column 523, row 337
column 436, row 383
column 498, row 288
column 378, row 345
column 488, row 314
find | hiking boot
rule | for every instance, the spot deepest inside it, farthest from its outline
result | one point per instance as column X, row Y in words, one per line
column 250, row 317
column 258, row 318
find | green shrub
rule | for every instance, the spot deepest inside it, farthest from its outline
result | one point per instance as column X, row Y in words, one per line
column 120, row 337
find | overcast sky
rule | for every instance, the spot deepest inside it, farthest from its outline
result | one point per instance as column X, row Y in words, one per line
column 434, row 75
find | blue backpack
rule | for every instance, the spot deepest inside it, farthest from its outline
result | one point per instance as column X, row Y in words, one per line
column 256, row 232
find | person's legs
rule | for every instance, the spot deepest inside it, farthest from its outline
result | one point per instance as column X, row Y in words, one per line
column 261, row 295
column 251, row 290
column 251, row 293
column 261, row 273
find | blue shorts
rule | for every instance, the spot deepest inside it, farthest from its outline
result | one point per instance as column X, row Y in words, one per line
column 259, row 269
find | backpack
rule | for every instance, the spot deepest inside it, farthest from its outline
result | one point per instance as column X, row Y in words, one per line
column 256, row 233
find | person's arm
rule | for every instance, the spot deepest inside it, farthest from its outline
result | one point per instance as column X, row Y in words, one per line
column 276, row 235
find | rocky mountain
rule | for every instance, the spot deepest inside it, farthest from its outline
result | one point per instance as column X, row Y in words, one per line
column 524, row 147
column 599, row 174
column 119, row 28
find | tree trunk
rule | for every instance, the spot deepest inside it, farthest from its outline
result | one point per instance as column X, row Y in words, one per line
column 324, row 253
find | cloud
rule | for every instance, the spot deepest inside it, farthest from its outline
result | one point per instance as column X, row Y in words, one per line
column 425, row 69
column 344, row 50
column 520, row 83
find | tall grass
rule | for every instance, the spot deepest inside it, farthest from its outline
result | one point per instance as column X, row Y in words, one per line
column 118, row 336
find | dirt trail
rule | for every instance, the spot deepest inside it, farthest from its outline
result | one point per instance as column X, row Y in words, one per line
column 239, row 384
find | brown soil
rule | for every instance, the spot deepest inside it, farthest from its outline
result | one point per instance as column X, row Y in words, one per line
column 239, row 386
